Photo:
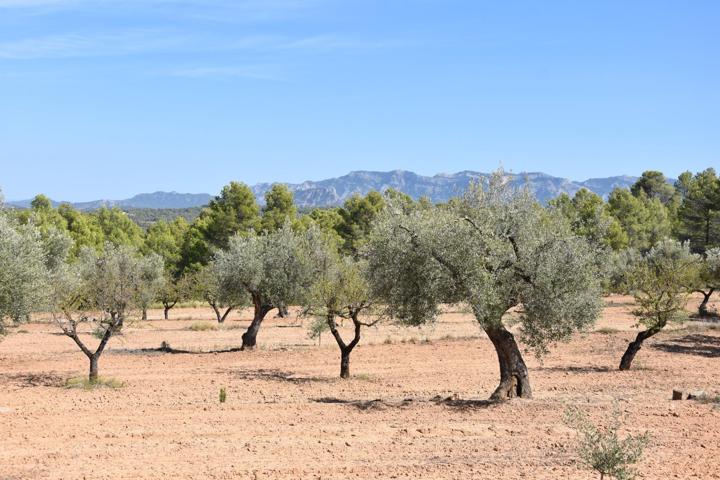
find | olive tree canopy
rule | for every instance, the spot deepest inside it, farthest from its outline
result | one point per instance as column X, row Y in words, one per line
column 102, row 290
column 275, row 269
column 493, row 249
column 23, row 271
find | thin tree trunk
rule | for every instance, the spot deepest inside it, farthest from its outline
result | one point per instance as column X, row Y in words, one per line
column 635, row 346
column 93, row 368
column 249, row 338
column 345, row 349
column 345, row 362
column 514, row 378
column 144, row 313
column 702, row 309
column 225, row 315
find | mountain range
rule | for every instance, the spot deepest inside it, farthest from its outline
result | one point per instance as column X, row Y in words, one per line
column 334, row 191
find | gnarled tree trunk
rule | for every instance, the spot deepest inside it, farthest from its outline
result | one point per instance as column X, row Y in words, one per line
column 702, row 309
column 635, row 346
column 261, row 309
column 514, row 378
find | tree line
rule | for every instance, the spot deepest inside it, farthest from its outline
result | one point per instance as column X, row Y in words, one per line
column 379, row 257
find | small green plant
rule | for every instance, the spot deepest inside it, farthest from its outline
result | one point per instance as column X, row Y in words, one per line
column 602, row 450
column 86, row 384
column 317, row 327
column 223, row 395
column 202, row 326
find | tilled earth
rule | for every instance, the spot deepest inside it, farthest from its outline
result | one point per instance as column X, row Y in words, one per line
column 414, row 408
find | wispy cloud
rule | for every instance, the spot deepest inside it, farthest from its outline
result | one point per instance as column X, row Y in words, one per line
column 251, row 72
column 139, row 42
column 79, row 45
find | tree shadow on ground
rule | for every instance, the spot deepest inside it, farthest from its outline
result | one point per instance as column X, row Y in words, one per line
column 380, row 404
column 277, row 375
column 578, row 369
column 166, row 348
column 695, row 344
column 28, row 380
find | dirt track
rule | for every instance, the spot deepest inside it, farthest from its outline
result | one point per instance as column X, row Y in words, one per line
column 287, row 414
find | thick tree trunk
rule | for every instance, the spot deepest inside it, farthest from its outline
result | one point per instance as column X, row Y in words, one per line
column 93, row 368
column 144, row 313
column 514, row 378
column 634, row 347
column 249, row 338
column 345, row 363
column 165, row 312
column 283, row 311
column 702, row 309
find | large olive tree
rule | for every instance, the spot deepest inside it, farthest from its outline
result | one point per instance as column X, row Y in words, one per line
column 102, row 290
column 494, row 249
column 274, row 269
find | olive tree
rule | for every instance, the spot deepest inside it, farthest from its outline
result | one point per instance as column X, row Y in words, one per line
column 708, row 278
column 494, row 249
column 23, row 271
column 153, row 281
column 274, row 269
column 661, row 283
column 211, row 285
column 341, row 291
column 101, row 290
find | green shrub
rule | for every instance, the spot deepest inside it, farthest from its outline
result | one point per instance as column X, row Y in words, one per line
column 602, row 450
column 223, row 395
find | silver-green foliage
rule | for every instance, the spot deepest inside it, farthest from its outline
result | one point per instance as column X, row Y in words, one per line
column 661, row 283
column 101, row 289
column 23, row 271
column 274, row 268
column 494, row 249
column 602, row 449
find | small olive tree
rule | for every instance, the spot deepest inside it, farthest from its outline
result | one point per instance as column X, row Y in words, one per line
column 341, row 291
column 172, row 290
column 494, row 249
column 153, row 281
column 102, row 290
column 708, row 278
column 274, row 269
column 210, row 284
column 661, row 283
column 23, row 271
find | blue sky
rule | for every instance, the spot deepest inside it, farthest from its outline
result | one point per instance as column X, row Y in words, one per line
column 108, row 98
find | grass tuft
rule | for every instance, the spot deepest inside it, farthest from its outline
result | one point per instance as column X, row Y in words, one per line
column 85, row 383
column 202, row 326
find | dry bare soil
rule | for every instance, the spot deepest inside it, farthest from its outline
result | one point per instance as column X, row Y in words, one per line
column 289, row 416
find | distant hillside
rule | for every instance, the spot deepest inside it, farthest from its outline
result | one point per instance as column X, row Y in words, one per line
column 157, row 200
column 438, row 188
column 334, row 191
